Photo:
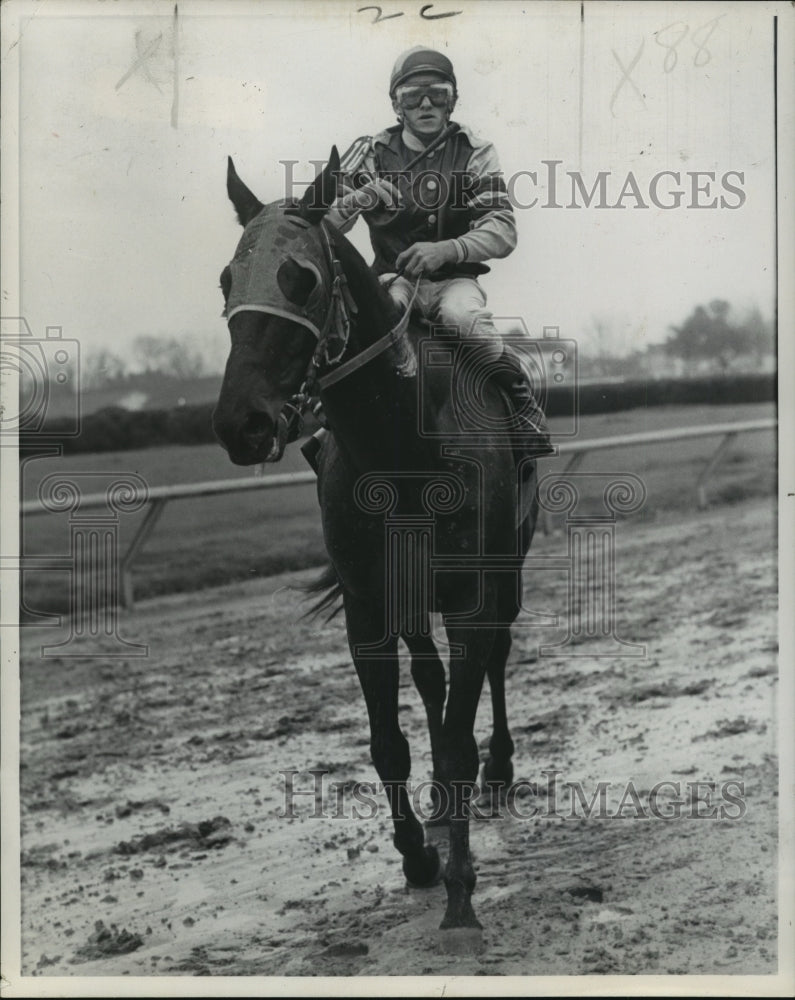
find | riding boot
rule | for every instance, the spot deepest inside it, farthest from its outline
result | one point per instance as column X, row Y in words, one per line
column 531, row 429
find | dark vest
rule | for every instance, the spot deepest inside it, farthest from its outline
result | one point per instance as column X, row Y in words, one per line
column 434, row 201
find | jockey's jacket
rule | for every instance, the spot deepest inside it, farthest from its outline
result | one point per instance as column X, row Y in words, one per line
column 455, row 193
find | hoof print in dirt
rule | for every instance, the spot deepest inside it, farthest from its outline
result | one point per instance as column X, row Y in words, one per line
column 123, row 811
column 345, row 949
column 461, row 941
column 106, row 942
column 44, row 961
column 587, row 893
column 210, row 833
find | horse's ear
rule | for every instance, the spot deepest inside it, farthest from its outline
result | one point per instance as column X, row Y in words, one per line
column 246, row 204
column 322, row 192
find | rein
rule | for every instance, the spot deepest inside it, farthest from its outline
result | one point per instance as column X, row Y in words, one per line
column 341, row 308
column 336, row 326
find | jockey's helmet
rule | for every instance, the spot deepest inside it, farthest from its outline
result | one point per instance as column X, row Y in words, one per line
column 421, row 60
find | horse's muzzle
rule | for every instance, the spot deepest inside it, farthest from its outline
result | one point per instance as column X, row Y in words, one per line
column 248, row 441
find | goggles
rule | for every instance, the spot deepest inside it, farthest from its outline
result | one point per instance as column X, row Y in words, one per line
column 439, row 94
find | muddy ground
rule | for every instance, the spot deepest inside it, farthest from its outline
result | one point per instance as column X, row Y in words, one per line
column 152, row 799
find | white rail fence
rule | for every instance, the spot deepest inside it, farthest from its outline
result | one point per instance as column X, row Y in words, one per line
column 156, row 498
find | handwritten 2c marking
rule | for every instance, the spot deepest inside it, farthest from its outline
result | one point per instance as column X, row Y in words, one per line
column 424, row 13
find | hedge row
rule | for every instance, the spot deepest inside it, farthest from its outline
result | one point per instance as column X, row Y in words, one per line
column 712, row 390
column 116, row 429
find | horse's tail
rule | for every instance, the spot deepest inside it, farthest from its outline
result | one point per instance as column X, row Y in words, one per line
column 328, row 584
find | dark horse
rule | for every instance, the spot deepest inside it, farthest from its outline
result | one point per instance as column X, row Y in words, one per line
column 418, row 517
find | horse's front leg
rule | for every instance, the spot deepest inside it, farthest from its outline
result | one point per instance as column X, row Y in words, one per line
column 498, row 767
column 427, row 671
column 458, row 761
column 379, row 678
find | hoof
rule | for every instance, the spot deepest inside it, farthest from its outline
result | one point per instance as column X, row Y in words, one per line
column 426, row 873
column 461, row 941
column 498, row 776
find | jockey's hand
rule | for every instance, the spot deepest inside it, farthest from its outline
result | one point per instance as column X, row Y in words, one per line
column 378, row 193
column 426, row 257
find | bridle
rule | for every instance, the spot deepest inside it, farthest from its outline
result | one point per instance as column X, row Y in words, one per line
column 336, row 326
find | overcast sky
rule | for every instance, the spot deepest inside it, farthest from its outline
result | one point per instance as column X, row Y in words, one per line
column 125, row 224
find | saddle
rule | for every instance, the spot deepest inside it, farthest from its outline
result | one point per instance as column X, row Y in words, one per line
column 526, row 428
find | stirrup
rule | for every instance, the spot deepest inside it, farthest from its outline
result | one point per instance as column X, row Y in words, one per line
column 533, row 432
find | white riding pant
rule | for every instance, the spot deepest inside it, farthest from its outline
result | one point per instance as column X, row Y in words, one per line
column 461, row 303
column 456, row 302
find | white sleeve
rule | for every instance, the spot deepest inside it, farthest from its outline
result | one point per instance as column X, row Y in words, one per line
column 358, row 161
column 492, row 229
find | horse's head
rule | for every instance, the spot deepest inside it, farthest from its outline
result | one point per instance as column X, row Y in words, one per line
column 277, row 291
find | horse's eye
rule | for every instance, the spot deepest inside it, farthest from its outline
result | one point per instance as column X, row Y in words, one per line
column 226, row 282
column 296, row 281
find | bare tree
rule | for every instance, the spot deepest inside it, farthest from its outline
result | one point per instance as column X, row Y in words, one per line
column 102, row 367
column 711, row 334
column 168, row 355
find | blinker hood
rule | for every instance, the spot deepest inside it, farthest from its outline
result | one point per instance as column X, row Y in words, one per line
column 270, row 239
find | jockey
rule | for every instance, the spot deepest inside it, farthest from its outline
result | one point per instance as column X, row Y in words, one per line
column 440, row 224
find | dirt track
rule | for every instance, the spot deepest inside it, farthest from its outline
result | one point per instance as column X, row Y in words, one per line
column 152, row 793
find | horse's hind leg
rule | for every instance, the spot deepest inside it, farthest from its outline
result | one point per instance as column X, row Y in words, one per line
column 389, row 747
column 427, row 671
